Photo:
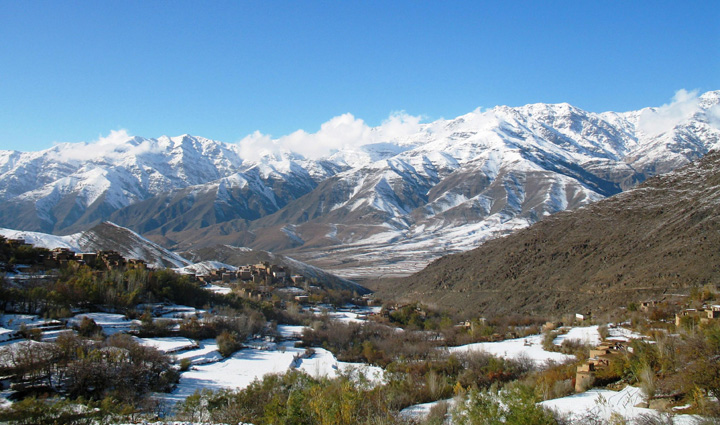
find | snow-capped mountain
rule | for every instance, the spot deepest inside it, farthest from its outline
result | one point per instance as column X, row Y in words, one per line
column 445, row 188
column 70, row 187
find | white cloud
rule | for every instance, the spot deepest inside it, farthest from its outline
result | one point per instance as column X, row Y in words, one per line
column 660, row 120
column 340, row 132
column 713, row 114
column 110, row 147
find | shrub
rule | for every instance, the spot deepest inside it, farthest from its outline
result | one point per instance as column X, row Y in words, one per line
column 185, row 364
column 227, row 343
column 88, row 328
column 513, row 405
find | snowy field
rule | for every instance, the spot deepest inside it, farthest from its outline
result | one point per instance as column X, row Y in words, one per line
column 169, row 344
column 219, row 289
column 206, row 352
column 347, row 314
column 110, row 323
column 290, row 331
column 588, row 407
column 586, row 335
column 520, row 348
column 419, row 412
column 242, row 368
column 604, row 404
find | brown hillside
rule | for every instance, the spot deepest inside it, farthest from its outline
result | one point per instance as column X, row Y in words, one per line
column 659, row 239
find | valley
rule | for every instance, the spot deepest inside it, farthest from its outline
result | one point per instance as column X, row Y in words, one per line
column 512, row 263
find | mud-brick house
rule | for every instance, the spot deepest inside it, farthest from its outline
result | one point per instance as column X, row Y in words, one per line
column 584, row 377
column 245, row 273
column 62, row 255
column 703, row 316
column 263, row 268
column 599, row 358
column 277, row 272
column 88, row 258
column 252, row 294
column 647, row 306
column 112, row 259
column 135, row 263
column 712, row 313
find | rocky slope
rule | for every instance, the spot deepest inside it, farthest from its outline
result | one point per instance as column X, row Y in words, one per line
column 658, row 239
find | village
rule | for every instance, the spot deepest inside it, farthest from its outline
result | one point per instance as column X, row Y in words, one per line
column 304, row 326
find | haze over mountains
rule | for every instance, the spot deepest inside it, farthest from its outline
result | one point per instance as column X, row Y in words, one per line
column 386, row 207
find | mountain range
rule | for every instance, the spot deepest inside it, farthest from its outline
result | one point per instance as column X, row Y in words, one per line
column 648, row 243
column 388, row 207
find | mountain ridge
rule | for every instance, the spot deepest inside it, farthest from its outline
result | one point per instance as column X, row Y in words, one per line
column 447, row 187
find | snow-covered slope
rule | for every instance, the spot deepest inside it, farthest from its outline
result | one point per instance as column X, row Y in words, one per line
column 444, row 188
column 105, row 236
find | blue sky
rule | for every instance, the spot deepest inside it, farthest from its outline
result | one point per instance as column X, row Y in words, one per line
column 73, row 71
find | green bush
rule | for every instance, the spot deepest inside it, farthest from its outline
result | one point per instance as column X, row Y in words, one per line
column 227, row 343
column 512, row 405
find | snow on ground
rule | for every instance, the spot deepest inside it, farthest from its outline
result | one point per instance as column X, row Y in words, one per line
column 419, row 412
column 237, row 371
column 290, row 331
column 242, row 368
column 588, row 335
column 324, row 364
column 206, row 352
column 219, row 289
column 587, row 407
column 16, row 321
column 44, row 240
column 52, row 336
column 294, row 290
column 178, row 311
column 617, row 333
column 10, row 351
column 529, row 347
column 169, row 344
column 111, row 323
column 602, row 404
column 353, row 315
column 6, row 334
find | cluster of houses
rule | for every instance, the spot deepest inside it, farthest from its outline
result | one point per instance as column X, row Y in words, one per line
column 599, row 358
column 261, row 273
column 703, row 316
column 58, row 257
column 259, row 281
